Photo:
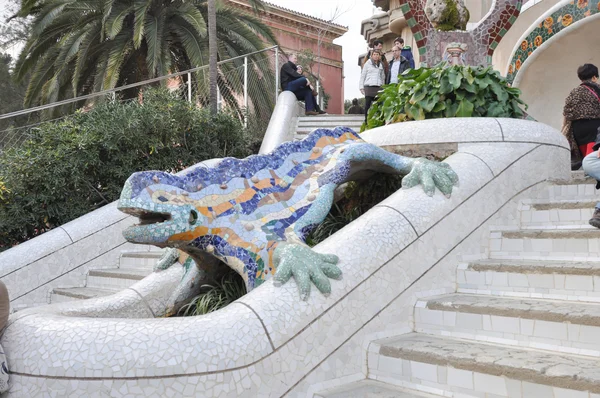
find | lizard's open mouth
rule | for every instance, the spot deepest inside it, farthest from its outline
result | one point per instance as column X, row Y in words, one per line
column 148, row 217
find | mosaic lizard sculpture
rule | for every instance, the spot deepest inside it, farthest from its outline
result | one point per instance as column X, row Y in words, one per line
column 254, row 214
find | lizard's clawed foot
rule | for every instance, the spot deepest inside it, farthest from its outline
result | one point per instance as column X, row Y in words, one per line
column 305, row 265
column 431, row 174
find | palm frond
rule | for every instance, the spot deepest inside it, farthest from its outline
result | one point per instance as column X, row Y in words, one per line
column 114, row 22
column 155, row 25
column 50, row 12
column 193, row 16
column 116, row 55
column 140, row 10
column 191, row 42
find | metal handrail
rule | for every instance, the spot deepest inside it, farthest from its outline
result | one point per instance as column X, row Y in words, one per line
column 121, row 88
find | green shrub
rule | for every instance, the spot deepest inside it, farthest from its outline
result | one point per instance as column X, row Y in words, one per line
column 456, row 91
column 78, row 164
column 216, row 296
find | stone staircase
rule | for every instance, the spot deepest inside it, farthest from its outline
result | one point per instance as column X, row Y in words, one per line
column 132, row 267
column 523, row 323
column 306, row 124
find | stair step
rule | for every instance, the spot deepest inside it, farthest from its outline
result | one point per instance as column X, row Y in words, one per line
column 577, row 177
column 308, row 129
column 115, row 278
column 330, row 123
column 578, row 243
column 544, row 279
column 140, row 259
column 563, row 204
column 571, row 190
column 557, row 213
column 371, row 389
column 457, row 366
column 563, row 267
column 78, row 293
column 326, row 118
column 554, row 325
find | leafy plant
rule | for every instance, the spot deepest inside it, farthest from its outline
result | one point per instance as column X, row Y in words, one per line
column 75, row 165
column 455, row 91
column 216, row 296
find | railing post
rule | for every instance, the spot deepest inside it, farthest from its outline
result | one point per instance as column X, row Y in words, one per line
column 276, row 72
column 245, row 91
column 189, row 84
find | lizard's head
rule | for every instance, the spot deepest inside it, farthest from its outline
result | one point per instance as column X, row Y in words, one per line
column 164, row 204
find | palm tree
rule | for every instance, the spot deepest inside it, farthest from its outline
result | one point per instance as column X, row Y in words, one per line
column 77, row 47
column 212, row 49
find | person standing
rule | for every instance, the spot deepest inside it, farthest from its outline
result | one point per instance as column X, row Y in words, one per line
column 405, row 51
column 292, row 81
column 582, row 113
column 377, row 45
column 371, row 79
column 398, row 64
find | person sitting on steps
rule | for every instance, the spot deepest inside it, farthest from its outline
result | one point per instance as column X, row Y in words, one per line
column 591, row 167
column 292, row 81
column 314, row 92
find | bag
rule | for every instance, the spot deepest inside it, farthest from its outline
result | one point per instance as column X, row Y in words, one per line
column 576, row 159
column 576, row 155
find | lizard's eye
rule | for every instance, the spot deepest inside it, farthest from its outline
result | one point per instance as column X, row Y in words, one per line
column 193, row 217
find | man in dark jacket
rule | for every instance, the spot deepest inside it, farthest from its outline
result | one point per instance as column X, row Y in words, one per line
column 398, row 64
column 405, row 51
column 292, row 81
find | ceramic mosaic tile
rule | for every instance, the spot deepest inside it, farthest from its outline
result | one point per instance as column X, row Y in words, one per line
column 481, row 41
column 554, row 23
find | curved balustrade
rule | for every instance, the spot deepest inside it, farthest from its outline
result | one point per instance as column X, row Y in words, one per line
column 269, row 343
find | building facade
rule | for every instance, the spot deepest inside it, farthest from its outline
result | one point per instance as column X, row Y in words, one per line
column 296, row 32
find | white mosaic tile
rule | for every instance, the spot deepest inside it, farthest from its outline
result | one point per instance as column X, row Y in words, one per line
column 435, row 131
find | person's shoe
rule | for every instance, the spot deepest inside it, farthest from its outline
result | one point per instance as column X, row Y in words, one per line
column 322, row 113
column 595, row 220
column 311, row 113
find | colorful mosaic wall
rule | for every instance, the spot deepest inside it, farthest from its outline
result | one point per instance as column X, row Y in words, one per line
column 253, row 214
column 482, row 41
column 553, row 24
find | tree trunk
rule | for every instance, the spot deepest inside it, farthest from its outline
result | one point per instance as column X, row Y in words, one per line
column 212, row 51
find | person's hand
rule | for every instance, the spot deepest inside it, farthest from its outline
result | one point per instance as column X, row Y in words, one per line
column 362, row 90
column 599, row 153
